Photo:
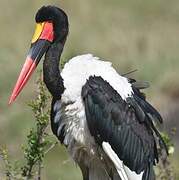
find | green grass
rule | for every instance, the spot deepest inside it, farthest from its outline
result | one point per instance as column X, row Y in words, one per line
column 138, row 34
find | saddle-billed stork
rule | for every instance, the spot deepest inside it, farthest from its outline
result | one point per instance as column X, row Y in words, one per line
column 101, row 117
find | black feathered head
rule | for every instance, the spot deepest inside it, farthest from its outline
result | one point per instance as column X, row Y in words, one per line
column 59, row 19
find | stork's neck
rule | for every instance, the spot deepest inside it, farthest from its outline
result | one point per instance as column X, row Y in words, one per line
column 51, row 71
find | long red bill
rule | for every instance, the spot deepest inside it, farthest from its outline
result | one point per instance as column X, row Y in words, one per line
column 35, row 54
column 41, row 41
column 25, row 74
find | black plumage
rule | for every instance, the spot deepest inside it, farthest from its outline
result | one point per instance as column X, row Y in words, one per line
column 126, row 125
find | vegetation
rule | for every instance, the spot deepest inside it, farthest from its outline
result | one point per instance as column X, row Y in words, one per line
column 38, row 142
column 133, row 35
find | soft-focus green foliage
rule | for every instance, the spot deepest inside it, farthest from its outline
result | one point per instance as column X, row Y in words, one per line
column 168, row 142
column 37, row 140
column 5, row 158
column 38, row 143
column 165, row 169
column 138, row 34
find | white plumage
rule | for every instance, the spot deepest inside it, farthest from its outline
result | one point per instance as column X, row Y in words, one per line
column 78, row 70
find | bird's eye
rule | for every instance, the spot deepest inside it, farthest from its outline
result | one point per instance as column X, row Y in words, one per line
column 38, row 31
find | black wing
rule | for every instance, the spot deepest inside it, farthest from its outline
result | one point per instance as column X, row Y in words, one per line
column 126, row 125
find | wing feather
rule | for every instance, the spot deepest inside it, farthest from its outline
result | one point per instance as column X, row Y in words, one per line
column 125, row 125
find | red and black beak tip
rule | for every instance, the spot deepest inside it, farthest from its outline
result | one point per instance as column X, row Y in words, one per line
column 35, row 54
column 25, row 74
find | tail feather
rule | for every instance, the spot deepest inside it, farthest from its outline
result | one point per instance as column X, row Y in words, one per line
column 98, row 171
column 149, row 173
column 117, row 162
column 124, row 172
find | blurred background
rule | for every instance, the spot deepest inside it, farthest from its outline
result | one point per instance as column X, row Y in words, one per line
column 132, row 35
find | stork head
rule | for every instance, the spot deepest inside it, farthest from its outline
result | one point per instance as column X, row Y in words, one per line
column 51, row 27
column 56, row 18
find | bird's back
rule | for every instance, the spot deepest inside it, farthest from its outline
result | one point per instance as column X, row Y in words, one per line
column 78, row 70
